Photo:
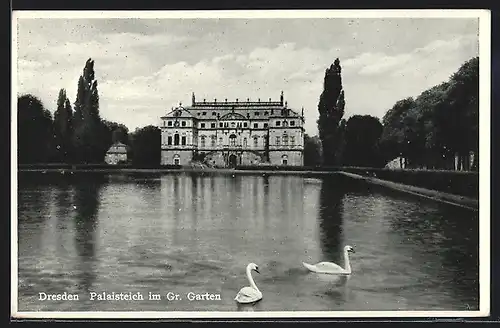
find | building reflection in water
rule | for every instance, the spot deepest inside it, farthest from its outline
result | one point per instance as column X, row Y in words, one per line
column 86, row 202
column 175, row 208
column 330, row 221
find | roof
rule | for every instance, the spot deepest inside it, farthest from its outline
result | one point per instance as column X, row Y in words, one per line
column 117, row 148
column 253, row 110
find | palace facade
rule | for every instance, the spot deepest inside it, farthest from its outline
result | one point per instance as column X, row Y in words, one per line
column 236, row 133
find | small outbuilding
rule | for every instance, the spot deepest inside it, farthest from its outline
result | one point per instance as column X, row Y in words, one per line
column 117, row 153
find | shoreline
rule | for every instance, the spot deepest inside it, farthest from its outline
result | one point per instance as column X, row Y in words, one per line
column 457, row 200
column 440, row 196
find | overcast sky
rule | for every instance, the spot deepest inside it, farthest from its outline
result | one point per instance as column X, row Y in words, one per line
column 144, row 67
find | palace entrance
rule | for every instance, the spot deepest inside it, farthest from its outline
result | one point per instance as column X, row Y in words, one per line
column 232, row 160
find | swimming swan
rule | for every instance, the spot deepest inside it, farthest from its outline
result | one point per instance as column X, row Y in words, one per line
column 332, row 268
column 249, row 294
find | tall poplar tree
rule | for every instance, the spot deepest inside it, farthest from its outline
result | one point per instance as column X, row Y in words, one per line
column 331, row 110
column 88, row 126
column 63, row 128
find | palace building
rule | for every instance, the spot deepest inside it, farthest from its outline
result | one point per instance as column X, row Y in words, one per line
column 236, row 133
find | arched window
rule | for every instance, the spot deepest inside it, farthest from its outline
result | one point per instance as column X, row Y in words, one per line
column 255, row 141
column 202, row 145
column 245, row 142
column 177, row 159
column 176, row 139
column 232, row 140
column 284, row 159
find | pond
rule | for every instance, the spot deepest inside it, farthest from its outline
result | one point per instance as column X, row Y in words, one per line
column 193, row 234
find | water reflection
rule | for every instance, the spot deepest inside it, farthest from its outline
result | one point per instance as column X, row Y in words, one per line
column 331, row 221
column 86, row 204
column 182, row 233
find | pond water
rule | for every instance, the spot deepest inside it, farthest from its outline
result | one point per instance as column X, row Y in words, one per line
column 190, row 233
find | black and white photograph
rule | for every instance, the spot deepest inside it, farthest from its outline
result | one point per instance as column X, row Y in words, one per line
column 250, row 164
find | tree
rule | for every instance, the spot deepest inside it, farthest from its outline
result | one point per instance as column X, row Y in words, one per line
column 88, row 127
column 442, row 123
column 392, row 141
column 146, row 146
column 463, row 97
column 312, row 150
column 331, row 110
column 34, row 131
column 362, row 134
column 63, row 128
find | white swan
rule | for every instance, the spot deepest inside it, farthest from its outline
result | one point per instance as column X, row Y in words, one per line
column 249, row 294
column 332, row 268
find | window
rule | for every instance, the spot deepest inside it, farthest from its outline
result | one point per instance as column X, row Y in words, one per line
column 245, row 142
column 285, row 123
column 177, row 159
column 255, row 125
column 212, row 125
column 183, row 123
column 292, row 123
column 245, row 124
column 277, row 141
column 202, row 125
column 202, row 145
column 214, row 113
column 292, row 140
column 183, row 140
column 220, row 125
column 204, row 113
column 284, row 159
column 220, row 141
column 278, row 123
column 169, row 140
column 233, row 124
column 169, row 123
column 265, row 125
column 255, row 141
column 176, row 139
column 256, row 113
column 226, row 125
column 285, row 140
column 232, row 140
column 266, row 113
column 213, row 139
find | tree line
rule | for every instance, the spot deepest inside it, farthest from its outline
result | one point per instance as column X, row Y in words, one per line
column 439, row 129
column 77, row 134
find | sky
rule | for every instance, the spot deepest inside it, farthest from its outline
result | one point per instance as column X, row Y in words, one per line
column 144, row 67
